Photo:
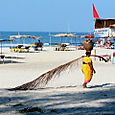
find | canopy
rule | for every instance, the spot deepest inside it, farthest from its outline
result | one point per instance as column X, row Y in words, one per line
column 4, row 40
column 104, row 23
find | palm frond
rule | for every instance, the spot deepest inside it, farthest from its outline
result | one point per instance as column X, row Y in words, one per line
column 42, row 80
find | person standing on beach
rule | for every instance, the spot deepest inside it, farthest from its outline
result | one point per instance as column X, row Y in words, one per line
column 87, row 68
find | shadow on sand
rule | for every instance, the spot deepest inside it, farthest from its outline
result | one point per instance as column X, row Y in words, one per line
column 97, row 100
column 100, row 86
column 9, row 61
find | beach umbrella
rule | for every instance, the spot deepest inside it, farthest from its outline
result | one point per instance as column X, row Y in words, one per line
column 65, row 35
column 24, row 36
column 4, row 40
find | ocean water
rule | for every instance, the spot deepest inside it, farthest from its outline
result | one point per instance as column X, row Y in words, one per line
column 46, row 38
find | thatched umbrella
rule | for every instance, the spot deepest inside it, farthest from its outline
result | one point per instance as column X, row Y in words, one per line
column 4, row 40
column 24, row 36
column 65, row 35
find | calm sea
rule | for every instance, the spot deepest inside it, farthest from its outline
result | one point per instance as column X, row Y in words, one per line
column 45, row 38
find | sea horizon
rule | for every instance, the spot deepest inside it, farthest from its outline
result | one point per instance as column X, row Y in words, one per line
column 44, row 37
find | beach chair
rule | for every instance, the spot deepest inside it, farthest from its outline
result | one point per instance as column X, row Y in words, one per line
column 27, row 48
column 20, row 48
column 38, row 46
column 16, row 49
column 2, row 57
column 61, row 47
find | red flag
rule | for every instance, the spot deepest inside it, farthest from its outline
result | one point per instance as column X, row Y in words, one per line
column 95, row 14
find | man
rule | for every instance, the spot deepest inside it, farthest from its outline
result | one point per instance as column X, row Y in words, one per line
column 87, row 68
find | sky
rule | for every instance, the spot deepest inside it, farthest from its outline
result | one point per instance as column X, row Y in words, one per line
column 52, row 15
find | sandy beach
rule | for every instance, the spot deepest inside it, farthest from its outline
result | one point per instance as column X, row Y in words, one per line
column 62, row 95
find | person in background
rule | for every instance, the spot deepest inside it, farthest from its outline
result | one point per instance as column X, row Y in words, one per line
column 87, row 68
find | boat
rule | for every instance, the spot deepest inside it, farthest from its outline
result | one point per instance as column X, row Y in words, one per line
column 24, row 36
column 103, row 27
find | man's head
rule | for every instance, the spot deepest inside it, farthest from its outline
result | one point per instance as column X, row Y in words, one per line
column 88, row 53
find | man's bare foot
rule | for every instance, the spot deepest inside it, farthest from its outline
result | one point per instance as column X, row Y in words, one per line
column 84, row 85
